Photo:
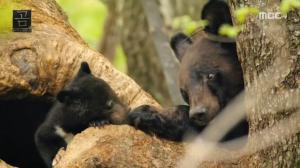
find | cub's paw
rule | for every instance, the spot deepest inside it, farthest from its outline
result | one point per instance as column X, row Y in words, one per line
column 58, row 156
column 99, row 123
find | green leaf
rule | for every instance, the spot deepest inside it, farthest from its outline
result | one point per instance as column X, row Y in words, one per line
column 287, row 5
column 229, row 31
column 187, row 25
column 241, row 14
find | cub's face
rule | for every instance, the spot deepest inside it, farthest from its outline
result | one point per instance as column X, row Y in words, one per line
column 90, row 99
column 210, row 74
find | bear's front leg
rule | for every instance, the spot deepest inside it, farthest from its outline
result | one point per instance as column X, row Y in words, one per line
column 170, row 124
column 48, row 143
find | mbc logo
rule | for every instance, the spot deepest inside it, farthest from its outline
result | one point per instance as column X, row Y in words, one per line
column 271, row 15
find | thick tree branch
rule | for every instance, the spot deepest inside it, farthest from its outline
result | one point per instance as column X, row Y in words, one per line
column 167, row 59
column 40, row 63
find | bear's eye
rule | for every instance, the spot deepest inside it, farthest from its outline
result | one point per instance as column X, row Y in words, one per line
column 184, row 95
column 109, row 104
column 211, row 76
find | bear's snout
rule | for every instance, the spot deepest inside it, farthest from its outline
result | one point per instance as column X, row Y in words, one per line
column 199, row 115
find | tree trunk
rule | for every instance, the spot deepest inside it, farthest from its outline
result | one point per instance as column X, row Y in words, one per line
column 143, row 63
column 270, row 49
column 111, row 35
column 167, row 59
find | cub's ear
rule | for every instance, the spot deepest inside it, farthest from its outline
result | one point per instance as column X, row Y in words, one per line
column 216, row 12
column 66, row 95
column 179, row 43
column 84, row 69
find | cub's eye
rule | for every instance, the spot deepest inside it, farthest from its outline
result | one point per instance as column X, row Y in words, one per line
column 211, row 76
column 109, row 104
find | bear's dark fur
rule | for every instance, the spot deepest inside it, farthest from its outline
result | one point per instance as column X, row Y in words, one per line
column 210, row 76
column 86, row 101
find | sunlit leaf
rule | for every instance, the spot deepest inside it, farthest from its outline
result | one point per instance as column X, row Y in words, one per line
column 241, row 14
column 178, row 22
column 187, row 25
column 287, row 5
column 229, row 31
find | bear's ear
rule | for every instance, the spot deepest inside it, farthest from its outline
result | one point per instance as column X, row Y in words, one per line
column 84, row 69
column 179, row 43
column 67, row 95
column 216, row 12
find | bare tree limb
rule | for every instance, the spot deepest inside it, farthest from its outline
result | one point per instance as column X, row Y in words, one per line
column 161, row 42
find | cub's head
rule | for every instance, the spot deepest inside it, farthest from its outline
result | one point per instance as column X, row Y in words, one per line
column 90, row 98
column 210, row 74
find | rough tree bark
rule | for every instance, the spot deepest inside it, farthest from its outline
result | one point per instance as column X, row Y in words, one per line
column 41, row 62
column 34, row 66
column 261, row 45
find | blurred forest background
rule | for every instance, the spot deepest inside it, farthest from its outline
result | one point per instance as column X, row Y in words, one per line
column 121, row 32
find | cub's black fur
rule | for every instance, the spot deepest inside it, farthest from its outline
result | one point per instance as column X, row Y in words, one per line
column 210, row 76
column 86, row 101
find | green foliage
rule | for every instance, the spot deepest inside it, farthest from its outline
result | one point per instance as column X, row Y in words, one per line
column 120, row 60
column 6, row 11
column 187, row 24
column 241, row 14
column 87, row 17
column 229, row 31
column 287, row 5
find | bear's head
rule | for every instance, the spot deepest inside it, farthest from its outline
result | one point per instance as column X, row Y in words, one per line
column 90, row 99
column 210, row 74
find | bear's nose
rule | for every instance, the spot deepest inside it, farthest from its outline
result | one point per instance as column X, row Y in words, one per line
column 199, row 111
column 199, row 116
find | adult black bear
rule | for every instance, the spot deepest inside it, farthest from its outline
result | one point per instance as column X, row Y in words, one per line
column 86, row 101
column 210, row 76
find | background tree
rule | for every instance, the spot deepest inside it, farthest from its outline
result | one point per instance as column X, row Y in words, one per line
column 111, row 36
column 142, row 59
column 141, row 47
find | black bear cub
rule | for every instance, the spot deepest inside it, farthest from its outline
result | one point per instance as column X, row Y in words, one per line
column 210, row 76
column 86, row 101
